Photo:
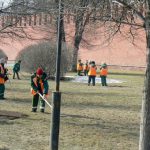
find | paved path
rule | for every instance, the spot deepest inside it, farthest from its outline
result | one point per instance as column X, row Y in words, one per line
column 84, row 79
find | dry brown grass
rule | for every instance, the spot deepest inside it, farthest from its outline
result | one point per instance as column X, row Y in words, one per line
column 92, row 118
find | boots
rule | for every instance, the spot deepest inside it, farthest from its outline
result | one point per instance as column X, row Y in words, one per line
column 34, row 109
column 42, row 110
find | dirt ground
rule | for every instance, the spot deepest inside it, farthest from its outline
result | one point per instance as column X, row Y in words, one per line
column 92, row 118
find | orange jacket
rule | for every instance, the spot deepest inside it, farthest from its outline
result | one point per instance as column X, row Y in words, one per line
column 35, row 82
column 2, row 80
column 86, row 67
column 79, row 67
column 39, row 84
column 92, row 71
column 103, row 72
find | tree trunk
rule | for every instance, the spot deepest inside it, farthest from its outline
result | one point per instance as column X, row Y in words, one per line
column 74, row 59
column 82, row 18
column 78, row 37
column 77, row 41
column 144, row 143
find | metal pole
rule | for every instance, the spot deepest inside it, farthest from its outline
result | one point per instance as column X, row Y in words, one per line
column 59, row 45
column 56, row 99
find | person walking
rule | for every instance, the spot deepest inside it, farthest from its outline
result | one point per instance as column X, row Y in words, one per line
column 92, row 73
column 39, row 84
column 103, row 74
column 16, row 69
column 79, row 67
column 3, row 77
column 86, row 68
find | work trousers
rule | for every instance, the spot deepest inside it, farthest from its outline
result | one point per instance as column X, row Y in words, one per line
column 2, row 90
column 85, row 72
column 79, row 72
column 103, row 80
column 91, row 78
column 35, row 101
column 16, row 74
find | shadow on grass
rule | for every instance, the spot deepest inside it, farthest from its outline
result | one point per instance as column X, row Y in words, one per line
column 6, row 116
column 92, row 105
column 4, row 148
column 82, row 93
column 12, row 120
column 113, row 106
column 109, row 127
column 19, row 100
column 79, row 116
column 118, row 86
column 5, row 122
column 18, row 90
column 99, row 93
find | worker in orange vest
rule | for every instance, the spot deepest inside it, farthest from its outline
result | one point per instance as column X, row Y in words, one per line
column 3, row 76
column 39, row 84
column 79, row 67
column 92, row 73
column 103, row 74
column 86, row 68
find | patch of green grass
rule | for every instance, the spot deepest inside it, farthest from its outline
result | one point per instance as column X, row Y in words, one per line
column 92, row 118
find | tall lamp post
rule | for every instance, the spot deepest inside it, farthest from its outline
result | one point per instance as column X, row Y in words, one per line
column 56, row 96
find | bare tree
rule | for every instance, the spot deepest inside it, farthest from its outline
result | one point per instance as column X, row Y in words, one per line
column 110, row 15
column 118, row 16
column 145, row 116
column 134, row 15
column 19, row 13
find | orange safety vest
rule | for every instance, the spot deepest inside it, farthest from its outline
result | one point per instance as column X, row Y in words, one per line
column 103, row 72
column 92, row 71
column 35, row 82
column 2, row 81
column 86, row 67
column 79, row 67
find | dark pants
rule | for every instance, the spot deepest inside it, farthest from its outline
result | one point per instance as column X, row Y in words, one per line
column 93, row 80
column 103, row 80
column 35, row 101
column 79, row 72
column 16, row 74
column 85, row 72
column 2, row 90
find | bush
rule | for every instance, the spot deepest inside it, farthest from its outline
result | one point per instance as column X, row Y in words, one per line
column 43, row 55
column 2, row 54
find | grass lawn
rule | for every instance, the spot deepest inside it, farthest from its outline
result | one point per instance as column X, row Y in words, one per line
column 92, row 118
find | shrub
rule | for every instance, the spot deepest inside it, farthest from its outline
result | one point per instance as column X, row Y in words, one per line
column 2, row 54
column 43, row 55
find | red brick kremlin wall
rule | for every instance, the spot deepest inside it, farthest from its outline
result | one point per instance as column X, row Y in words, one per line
column 120, row 51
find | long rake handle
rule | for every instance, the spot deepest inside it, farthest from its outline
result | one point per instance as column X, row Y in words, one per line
column 45, row 100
